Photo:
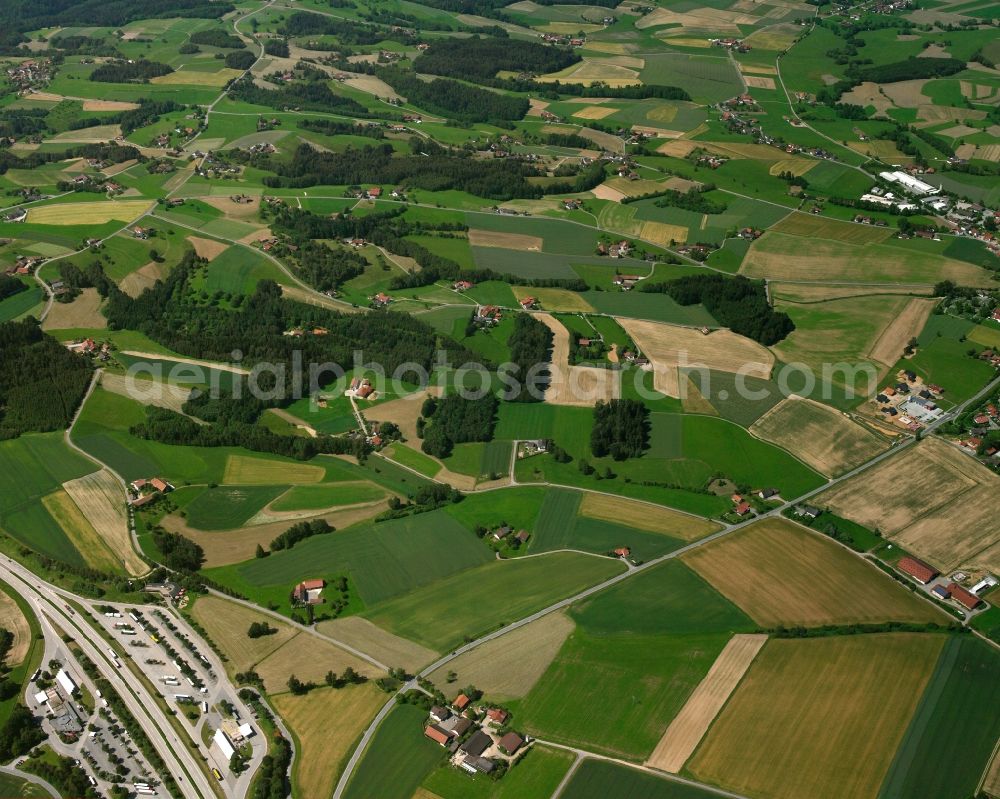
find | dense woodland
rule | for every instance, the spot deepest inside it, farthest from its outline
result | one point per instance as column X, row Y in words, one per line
column 456, row 420
column 304, row 96
column 216, row 37
column 336, row 127
column 621, row 429
column 41, row 382
column 455, row 100
column 737, row 303
column 326, row 268
column 130, row 71
column 240, row 59
column 9, row 286
column 347, row 32
column 911, row 69
column 115, row 153
column 481, row 58
column 691, row 200
column 178, row 552
column 530, row 347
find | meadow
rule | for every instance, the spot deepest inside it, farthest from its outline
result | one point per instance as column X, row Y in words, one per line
column 226, row 507
column 928, row 761
column 598, row 779
column 535, row 776
column 398, row 759
column 430, row 616
column 828, row 715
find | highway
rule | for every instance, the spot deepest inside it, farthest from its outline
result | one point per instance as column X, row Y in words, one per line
column 49, row 601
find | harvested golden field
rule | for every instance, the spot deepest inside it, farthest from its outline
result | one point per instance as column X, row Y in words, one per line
column 247, row 470
column 81, row 532
column 690, row 725
column 679, row 149
column 885, row 151
column 508, row 667
column 510, row 241
column 227, row 622
column 778, row 256
column 373, row 85
column 160, row 394
column 776, row 37
column 95, row 135
column 309, row 658
column 559, row 300
column 245, row 211
column 930, row 500
column 797, row 166
column 759, row 82
column 614, row 71
column 83, row 312
column 606, row 192
column 404, row 411
column 595, row 112
column 816, row 227
column 992, row 782
column 209, row 249
column 101, row 499
column 108, row 105
column 88, row 213
column 817, row 292
column 663, row 234
column 191, row 77
column 643, row 516
column 827, row 440
column 143, row 278
column 827, row 716
column 574, row 385
column 781, row 574
column 12, row 620
column 668, row 346
column 378, row 643
column 326, row 723
column 888, row 349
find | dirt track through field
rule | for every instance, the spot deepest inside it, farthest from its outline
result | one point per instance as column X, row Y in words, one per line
column 690, row 725
column 574, row 385
column 669, row 346
column 888, row 348
column 101, row 499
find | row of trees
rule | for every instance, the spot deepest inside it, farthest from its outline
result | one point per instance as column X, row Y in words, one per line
column 336, row 127
column 738, row 303
column 691, row 200
column 481, row 58
column 9, row 286
column 179, row 553
column 453, row 99
column 300, row 532
column 530, row 345
column 300, row 95
column 41, row 382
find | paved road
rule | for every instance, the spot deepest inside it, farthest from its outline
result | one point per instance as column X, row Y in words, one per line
column 48, row 600
column 46, row 786
column 727, row 530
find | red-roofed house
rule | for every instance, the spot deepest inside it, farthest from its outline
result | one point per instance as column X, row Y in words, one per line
column 308, row 591
column 623, row 552
column 965, row 598
column 916, row 569
column 742, row 509
column 437, row 735
column 161, row 485
column 497, row 715
column 461, row 702
column 528, row 303
column 375, row 192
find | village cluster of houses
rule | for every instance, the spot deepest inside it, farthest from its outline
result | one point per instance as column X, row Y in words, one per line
column 30, row 74
column 985, row 426
column 475, row 736
column 618, row 249
column 87, row 346
column 561, row 39
column 487, row 315
column 24, row 264
column 729, row 43
column 909, row 402
column 144, row 491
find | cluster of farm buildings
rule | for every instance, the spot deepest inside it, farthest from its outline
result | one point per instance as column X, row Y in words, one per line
column 947, row 589
column 144, row 491
column 909, row 402
column 476, row 737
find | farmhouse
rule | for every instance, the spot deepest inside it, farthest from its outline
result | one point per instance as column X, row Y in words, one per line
column 510, row 743
column 529, row 303
column 308, row 592
column 807, row 511
column 461, row 702
column 381, row 300
column 622, row 552
column 497, row 715
column 436, row 734
column 439, row 713
column 965, row 598
column 917, row 569
column 477, row 744
column 462, row 285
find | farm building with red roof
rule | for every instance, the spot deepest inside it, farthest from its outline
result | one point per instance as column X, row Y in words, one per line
column 916, row 569
column 965, row 598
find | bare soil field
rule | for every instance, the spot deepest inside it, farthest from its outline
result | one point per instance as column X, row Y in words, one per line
column 143, row 278
column 668, row 346
column 782, row 574
column 373, row 85
column 162, row 395
column 679, row 148
column 510, row 241
column 227, row 622
column 929, row 499
column 595, row 112
column 309, row 658
column 574, row 385
column 652, row 518
column 209, row 249
column 12, row 620
column 267, row 515
column 759, row 82
column 606, row 141
column 403, row 412
column 826, row 439
column 827, row 716
column 690, row 725
column 378, row 643
column 508, row 667
column 108, row 105
column 312, row 298
column 322, row 745
column 889, row 347
column 83, row 312
column 605, row 192
column 101, row 499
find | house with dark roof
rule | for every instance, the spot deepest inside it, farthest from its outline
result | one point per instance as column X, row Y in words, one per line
column 439, row 713
column 478, row 743
column 510, row 743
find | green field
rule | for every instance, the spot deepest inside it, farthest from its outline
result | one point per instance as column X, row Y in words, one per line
column 320, row 497
column 517, row 506
column 535, row 776
column 431, row 615
column 384, row 560
column 597, row 779
column 929, row 762
column 560, row 527
column 227, row 507
column 398, row 758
